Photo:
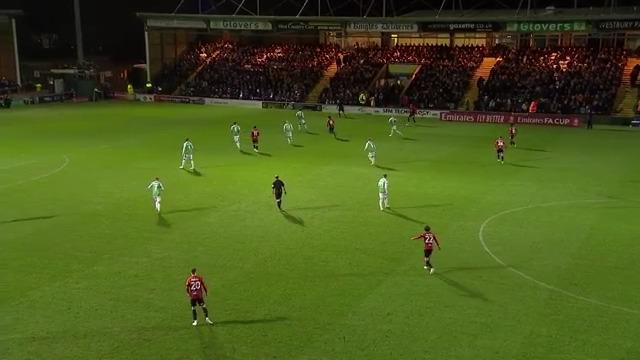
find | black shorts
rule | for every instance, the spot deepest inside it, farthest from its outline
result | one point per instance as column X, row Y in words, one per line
column 341, row 108
column 331, row 129
column 278, row 195
column 254, row 141
column 499, row 151
column 195, row 302
column 427, row 253
column 512, row 137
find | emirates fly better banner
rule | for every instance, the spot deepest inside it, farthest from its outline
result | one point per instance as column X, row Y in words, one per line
column 508, row 118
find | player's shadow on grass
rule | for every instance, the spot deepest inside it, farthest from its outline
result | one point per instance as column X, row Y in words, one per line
column 189, row 210
column 385, row 168
column 33, row 218
column 292, row 218
column 195, row 172
column 465, row 290
column 264, row 154
column 162, row 222
column 531, row 149
column 342, row 139
column 311, row 133
column 423, row 206
column 409, row 138
column 244, row 152
column 252, row 321
column 522, row 165
column 319, row 207
column 297, row 145
column 403, row 216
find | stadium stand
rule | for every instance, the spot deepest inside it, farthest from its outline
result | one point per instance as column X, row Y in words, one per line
column 7, row 86
column 560, row 80
column 441, row 81
column 278, row 72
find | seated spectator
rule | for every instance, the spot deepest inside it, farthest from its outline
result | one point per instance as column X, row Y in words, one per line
column 562, row 80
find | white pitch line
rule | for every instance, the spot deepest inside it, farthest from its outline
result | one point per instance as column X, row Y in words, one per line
column 52, row 172
column 530, row 278
column 16, row 165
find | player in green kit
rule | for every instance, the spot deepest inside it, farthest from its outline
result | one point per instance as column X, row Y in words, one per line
column 394, row 126
column 187, row 153
column 156, row 192
column 287, row 128
column 235, row 132
column 302, row 124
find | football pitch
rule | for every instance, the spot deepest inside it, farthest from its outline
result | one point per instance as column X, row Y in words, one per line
column 539, row 255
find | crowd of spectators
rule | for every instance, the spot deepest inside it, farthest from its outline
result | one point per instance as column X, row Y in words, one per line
column 277, row 72
column 441, row 81
column 191, row 59
column 560, row 80
column 7, row 86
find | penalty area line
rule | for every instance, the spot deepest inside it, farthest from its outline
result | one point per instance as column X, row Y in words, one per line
column 42, row 176
column 531, row 278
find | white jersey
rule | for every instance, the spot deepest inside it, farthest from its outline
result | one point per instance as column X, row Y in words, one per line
column 300, row 116
column 156, row 188
column 235, row 130
column 187, row 148
column 383, row 185
column 393, row 121
column 287, row 128
column 370, row 147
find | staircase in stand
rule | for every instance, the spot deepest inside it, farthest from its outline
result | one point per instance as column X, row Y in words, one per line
column 323, row 83
column 472, row 92
column 627, row 97
column 195, row 73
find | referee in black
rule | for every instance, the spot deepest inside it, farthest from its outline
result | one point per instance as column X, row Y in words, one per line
column 278, row 189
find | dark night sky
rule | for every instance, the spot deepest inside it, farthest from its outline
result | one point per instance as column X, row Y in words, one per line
column 112, row 29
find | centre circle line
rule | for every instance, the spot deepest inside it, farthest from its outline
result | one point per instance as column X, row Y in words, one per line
column 529, row 277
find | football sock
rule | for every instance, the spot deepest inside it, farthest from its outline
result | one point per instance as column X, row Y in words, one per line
column 205, row 311
column 192, row 165
column 194, row 314
column 428, row 263
column 381, row 205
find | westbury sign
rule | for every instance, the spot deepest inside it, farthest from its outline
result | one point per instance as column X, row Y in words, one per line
column 546, row 27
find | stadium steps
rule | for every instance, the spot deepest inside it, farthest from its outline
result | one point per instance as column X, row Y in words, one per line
column 381, row 74
column 413, row 77
column 329, row 73
column 627, row 97
column 472, row 92
column 195, row 73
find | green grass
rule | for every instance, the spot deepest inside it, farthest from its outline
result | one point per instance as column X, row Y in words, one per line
column 89, row 272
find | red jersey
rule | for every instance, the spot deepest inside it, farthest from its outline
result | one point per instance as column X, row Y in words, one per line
column 331, row 123
column 412, row 110
column 428, row 238
column 500, row 144
column 255, row 134
column 513, row 131
column 195, row 286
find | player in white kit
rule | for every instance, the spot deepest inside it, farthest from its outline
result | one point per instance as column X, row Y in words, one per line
column 370, row 147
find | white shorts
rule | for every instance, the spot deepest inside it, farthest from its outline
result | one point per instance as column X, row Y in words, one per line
column 289, row 135
column 157, row 198
column 394, row 127
column 187, row 157
column 372, row 155
column 236, row 138
column 383, row 196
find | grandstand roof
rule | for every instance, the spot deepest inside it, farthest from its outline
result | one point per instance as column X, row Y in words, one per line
column 445, row 16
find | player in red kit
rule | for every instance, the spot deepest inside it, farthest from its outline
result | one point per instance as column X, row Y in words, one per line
column 412, row 113
column 512, row 135
column 255, row 137
column 500, row 149
column 331, row 124
column 196, row 289
column 428, row 238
